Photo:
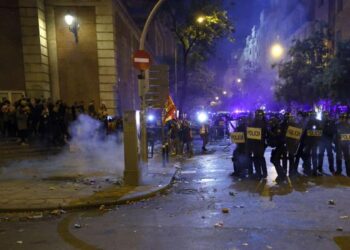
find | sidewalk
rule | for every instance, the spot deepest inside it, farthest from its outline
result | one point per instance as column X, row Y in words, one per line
column 76, row 191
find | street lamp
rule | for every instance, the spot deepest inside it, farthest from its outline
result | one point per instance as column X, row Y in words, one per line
column 73, row 25
column 200, row 19
column 217, row 98
column 224, row 92
column 276, row 51
column 239, row 80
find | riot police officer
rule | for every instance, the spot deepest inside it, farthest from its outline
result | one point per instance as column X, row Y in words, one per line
column 240, row 156
column 256, row 136
column 292, row 131
column 326, row 143
column 342, row 144
column 313, row 133
column 276, row 141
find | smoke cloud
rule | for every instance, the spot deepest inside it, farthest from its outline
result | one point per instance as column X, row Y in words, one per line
column 90, row 153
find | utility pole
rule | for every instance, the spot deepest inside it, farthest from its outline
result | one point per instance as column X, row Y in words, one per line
column 144, row 153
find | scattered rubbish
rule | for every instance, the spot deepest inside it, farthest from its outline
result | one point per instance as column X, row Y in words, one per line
column 340, row 229
column 331, row 202
column 20, row 230
column 52, row 188
column 77, row 225
column 269, row 247
column 219, row 224
column 19, row 242
column 58, row 212
column 245, row 244
column 102, row 207
column 214, row 190
column 239, row 206
column 36, row 216
column 232, row 193
column 344, row 217
column 203, row 217
column 225, row 210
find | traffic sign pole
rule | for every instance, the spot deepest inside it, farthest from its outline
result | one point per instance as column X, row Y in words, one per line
column 144, row 155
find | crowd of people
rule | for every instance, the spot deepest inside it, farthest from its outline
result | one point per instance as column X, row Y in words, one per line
column 44, row 119
column 303, row 136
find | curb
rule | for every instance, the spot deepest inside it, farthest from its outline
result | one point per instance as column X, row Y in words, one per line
column 125, row 199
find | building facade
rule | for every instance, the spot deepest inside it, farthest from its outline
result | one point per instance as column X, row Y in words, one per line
column 286, row 21
column 41, row 57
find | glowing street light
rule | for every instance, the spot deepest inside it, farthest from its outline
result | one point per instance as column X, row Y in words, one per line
column 73, row 25
column 69, row 19
column 200, row 19
column 239, row 80
column 217, row 98
column 224, row 92
column 277, row 51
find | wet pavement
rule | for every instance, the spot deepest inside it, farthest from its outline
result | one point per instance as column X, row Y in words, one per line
column 205, row 209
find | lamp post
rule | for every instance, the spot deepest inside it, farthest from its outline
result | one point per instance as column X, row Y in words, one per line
column 73, row 25
column 143, row 149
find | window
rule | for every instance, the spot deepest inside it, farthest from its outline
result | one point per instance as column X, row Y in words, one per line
column 339, row 5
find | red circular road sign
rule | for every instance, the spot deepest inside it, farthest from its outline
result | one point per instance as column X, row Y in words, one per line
column 141, row 60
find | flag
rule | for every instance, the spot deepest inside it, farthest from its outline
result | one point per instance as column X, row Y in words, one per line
column 170, row 110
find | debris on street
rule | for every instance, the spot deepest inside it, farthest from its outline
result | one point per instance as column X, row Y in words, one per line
column 225, row 210
column 219, row 224
column 331, row 202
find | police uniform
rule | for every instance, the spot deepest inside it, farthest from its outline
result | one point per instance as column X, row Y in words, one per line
column 276, row 141
column 240, row 157
column 313, row 134
column 292, row 132
column 342, row 145
column 256, row 137
column 326, row 144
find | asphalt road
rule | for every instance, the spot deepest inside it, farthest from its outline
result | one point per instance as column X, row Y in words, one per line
column 260, row 215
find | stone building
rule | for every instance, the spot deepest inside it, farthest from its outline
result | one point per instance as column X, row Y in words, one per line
column 41, row 58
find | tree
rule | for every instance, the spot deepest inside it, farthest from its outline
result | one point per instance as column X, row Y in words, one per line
column 196, row 37
column 336, row 77
column 300, row 76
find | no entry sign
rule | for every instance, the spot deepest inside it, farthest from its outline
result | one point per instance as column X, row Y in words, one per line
column 141, row 60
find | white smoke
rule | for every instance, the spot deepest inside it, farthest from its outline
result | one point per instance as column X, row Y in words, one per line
column 90, row 153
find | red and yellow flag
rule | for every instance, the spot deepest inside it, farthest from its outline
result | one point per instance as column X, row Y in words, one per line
column 170, row 110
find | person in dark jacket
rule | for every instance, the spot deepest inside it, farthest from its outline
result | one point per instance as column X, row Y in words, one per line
column 256, row 136
column 326, row 143
column 343, row 144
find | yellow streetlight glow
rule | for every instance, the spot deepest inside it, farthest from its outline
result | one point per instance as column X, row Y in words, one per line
column 200, row 19
column 277, row 51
